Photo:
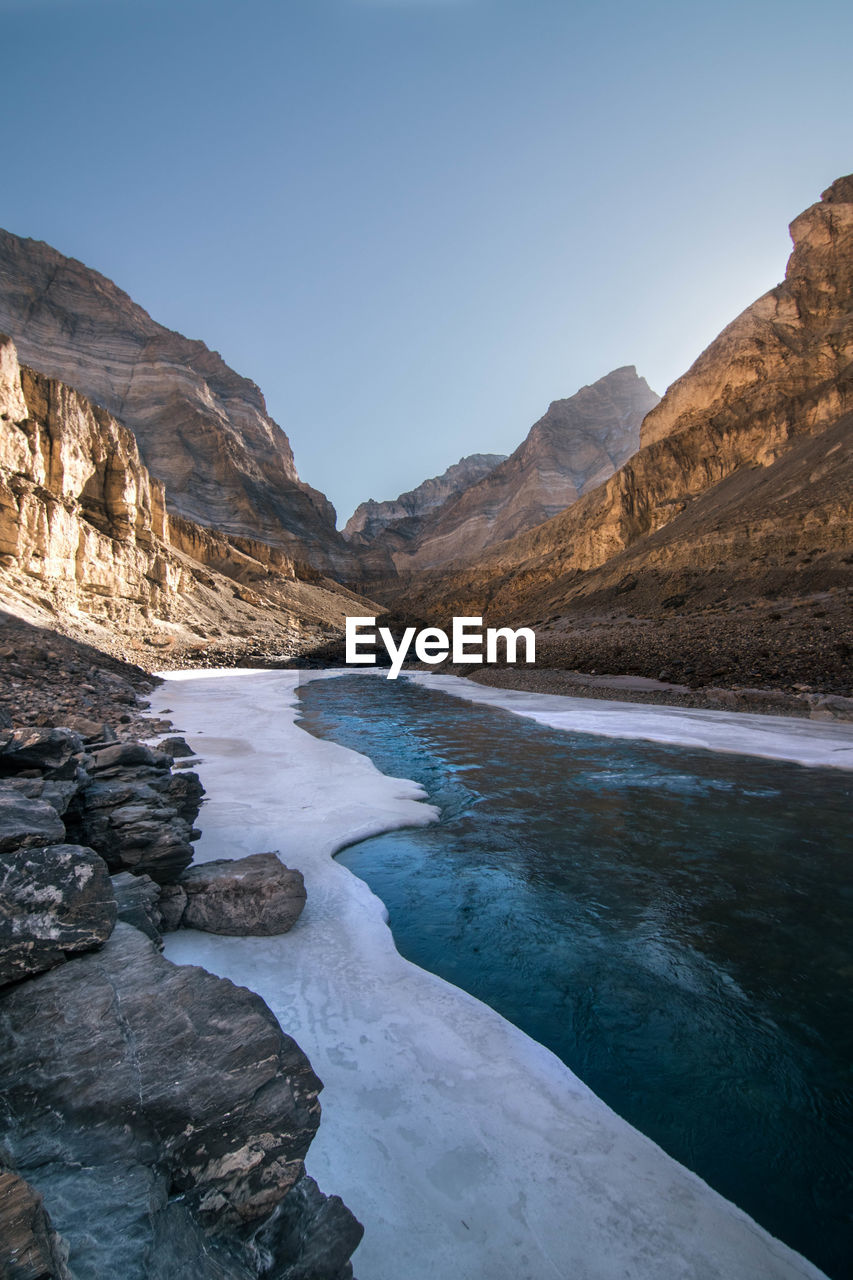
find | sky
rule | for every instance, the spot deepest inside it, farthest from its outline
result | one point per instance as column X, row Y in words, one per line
column 414, row 223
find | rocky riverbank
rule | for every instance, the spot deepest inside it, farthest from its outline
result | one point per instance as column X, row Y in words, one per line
column 805, row 702
column 155, row 1117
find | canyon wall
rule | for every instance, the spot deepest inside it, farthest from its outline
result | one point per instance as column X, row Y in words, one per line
column 86, row 541
column 784, row 362
column 201, row 428
column 722, row 549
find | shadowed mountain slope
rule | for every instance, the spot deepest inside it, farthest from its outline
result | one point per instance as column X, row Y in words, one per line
column 576, row 444
column 379, row 531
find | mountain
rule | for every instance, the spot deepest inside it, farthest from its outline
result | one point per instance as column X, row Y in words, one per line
column 87, row 544
column 371, row 518
column 576, row 444
column 732, row 527
column 201, row 428
column 379, row 531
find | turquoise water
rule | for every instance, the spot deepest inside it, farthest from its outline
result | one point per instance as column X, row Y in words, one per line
column 675, row 924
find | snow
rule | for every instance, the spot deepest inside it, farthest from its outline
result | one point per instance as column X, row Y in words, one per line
column 466, row 1149
column 808, row 742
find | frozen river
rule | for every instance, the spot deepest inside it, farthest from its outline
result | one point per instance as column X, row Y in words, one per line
column 467, row 1148
column 674, row 923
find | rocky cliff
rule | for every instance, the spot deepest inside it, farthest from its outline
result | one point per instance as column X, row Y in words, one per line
column 739, row 499
column 573, row 447
column 86, row 542
column 784, row 362
column 202, row 429
column 187, row 1108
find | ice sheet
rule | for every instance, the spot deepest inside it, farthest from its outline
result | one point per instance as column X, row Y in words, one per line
column 810, row 742
column 467, row 1150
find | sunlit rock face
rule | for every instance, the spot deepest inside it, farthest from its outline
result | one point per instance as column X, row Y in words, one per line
column 578, row 443
column 85, row 537
column 202, row 429
column 742, row 484
column 785, row 360
column 79, row 512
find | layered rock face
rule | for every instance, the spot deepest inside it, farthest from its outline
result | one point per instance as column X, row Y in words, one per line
column 78, row 510
column 740, row 492
column 573, row 447
column 120, row 799
column 785, row 361
column 202, row 429
column 84, row 535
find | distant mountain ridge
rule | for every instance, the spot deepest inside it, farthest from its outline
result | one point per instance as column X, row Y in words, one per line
column 576, row 444
column 202, row 429
column 371, row 517
column 742, row 491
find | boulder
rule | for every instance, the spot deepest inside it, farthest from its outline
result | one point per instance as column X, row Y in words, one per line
column 121, row 755
column 26, row 821
column 58, row 794
column 184, row 791
column 830, row 707
column 257, row 895
column 137, row 900
column 91, row 731
column 133, row 827
column 176, row 748
column 29, row 1247
column 53, row 901
column 48, row 750
column 168, row 1162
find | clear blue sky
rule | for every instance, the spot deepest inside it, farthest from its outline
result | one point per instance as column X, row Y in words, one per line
column 416, row 222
